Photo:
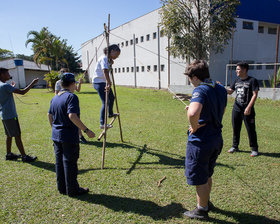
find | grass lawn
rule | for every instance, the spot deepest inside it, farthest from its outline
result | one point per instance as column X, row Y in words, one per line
column 245, row 189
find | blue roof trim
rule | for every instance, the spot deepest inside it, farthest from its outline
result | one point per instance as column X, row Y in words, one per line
column 260, row 10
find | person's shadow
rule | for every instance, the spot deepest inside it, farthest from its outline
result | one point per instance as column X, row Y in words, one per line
column 241, row 217
column 137, row 206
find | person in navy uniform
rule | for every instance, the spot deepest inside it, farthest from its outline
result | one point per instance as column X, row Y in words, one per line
column 246, row 88
column 64, row 119
column 205, row 142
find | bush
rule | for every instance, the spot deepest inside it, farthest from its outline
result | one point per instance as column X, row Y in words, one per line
column 51, row 79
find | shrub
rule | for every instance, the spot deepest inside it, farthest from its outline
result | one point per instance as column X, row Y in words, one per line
column 51, row 79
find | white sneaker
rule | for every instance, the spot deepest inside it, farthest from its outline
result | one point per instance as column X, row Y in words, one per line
column 254, row 153
column 108, row 126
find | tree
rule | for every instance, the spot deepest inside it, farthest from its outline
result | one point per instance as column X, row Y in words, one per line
column 196, row 27
column 5, row 54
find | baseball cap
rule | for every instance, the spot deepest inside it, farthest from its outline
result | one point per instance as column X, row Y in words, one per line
column 67, row 77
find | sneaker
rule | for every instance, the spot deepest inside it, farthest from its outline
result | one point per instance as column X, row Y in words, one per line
column 197, row 214
column 254, row 153
column 232, row 150
column 113, row 115
column 81, row 191
column 12, row 156
column 108, row 126
column 28, row 158
column 83, row 140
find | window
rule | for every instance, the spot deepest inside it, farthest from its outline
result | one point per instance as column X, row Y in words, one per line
column 272, row 30
column 136, row 40
column 116, row 70
column 154, row 35
column 248, row 25
column 147, row 37
column 268, row 67
column 126, row 43
column 148, row 68
column 119, row 70
column 261, row 29
column 137, row 69
column 131, row 42
column 122, row 44
column 142, row 39
column 142, row 68
column 259, row 67
column 123, row 69
column 155, row 68
column 162, row 68
column 127, row 69
column 118, row 45
column 132, row 69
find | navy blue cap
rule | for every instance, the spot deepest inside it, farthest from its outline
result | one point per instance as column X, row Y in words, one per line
column 67, row 77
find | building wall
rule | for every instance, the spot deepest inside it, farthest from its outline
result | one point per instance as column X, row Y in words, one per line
column 33, row 74
column 147, row 35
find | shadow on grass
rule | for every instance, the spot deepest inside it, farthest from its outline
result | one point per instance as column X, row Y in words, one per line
column 137, row 206
column 242, row 218
column 269, row 154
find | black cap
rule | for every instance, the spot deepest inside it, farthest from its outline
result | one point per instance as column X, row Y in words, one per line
column 67, row 77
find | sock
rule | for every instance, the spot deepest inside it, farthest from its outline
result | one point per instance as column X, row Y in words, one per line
column 202, row 208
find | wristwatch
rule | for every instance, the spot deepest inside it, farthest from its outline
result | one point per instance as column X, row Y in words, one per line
column 86, row 130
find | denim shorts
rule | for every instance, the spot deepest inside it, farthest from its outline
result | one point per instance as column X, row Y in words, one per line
column 201, row 159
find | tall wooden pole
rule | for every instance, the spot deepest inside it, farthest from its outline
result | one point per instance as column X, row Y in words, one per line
column 134, row 52
column 276, row 58
column 159, row 81
column 107, row 29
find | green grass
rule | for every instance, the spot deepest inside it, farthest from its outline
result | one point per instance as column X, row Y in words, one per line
column 245, row 189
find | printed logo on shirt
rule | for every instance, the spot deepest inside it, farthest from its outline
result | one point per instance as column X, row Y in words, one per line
column 195, row 95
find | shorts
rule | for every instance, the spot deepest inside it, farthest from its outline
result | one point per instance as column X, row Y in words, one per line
column 12, row 128
column 201, row 159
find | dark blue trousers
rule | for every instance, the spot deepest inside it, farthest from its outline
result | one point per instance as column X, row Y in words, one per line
column 66, row 167
column 100, row 88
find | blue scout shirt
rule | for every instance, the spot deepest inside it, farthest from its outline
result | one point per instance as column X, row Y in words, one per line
column 213, row 98
column 7, row 103
column 63, row 129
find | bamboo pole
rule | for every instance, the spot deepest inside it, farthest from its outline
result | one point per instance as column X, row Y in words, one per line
column 276, row 58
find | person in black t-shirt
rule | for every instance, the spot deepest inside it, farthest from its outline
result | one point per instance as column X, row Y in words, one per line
column 246, row 88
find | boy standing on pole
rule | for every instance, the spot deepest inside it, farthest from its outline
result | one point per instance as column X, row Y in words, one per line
column 246, row 88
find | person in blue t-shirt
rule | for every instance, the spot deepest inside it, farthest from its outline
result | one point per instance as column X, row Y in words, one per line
column 64, row 119
column 205, row 142
column 9, row 115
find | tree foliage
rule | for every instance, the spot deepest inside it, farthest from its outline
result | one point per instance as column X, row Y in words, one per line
column 51, row 79
column 197, row 26
column 5, row 54
column 51, row 50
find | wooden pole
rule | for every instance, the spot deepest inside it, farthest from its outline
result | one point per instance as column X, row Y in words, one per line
column 159, row 84
column 107, row 29
column 276, row 58
column 134, row 52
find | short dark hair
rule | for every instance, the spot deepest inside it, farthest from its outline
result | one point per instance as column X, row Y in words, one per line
column 198, row 68
column 3, row 70
column 113, row 47
column 243, row 64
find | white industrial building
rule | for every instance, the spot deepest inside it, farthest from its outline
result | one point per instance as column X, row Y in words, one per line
column 145, row 61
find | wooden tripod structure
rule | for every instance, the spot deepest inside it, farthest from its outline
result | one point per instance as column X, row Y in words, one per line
column 104, row 132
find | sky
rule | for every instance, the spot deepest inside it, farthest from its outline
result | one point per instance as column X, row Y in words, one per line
column 74, row 20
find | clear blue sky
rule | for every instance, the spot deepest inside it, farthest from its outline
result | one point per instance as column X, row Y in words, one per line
column 74, row 20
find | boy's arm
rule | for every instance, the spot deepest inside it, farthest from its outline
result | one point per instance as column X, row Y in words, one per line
column 78, row 87
column 50, row 119
column 229, row 91
column 251, row 103
column 76, row 120
column 107, row 76
column 27, row 88
column 194, row 111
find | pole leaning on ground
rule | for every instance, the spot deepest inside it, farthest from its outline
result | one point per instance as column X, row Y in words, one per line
column 106, row 28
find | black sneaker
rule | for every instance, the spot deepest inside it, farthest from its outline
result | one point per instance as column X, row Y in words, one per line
column 28, row 159
column 81, row 191
column 113, row 115
column 197, row 214
column 83, row 140
column 12, row 156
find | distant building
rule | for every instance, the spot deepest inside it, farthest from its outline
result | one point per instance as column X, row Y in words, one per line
column 145, row 60
column 23, row 72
